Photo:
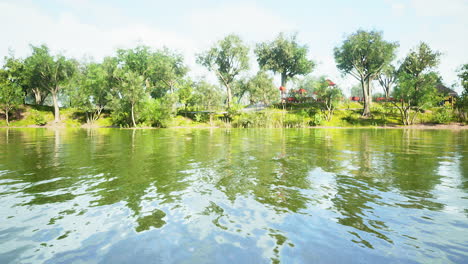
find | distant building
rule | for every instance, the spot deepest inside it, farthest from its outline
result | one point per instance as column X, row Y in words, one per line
column 450, row 94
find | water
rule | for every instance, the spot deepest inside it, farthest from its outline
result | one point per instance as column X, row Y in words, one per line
column 233, row 196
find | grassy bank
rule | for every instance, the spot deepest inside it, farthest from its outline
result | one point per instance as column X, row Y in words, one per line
column 288, row 116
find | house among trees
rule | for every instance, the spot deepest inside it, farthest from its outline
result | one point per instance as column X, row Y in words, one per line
column 450, row 94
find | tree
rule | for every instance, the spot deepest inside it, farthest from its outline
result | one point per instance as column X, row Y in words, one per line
column 169, row 71
column 161, row 69
column 206, row 96
column 185, row 92
column 11, row 94
column 329, row 96
column 227, row 59
column 50, row 73
column 364, row 55
column 462, row 101
column 262, row 89
column 387, row 79
column 416, row 83
column 356, row 90
column 17, row 73
column 91, row 89
column 284, row 56
column 130, row 91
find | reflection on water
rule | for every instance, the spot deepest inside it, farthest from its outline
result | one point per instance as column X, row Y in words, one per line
column 242, row 196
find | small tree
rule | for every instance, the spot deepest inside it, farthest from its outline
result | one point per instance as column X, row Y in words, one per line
column 11, row 94
column 416, row 83
column 228, row 58
column 262, row 89
column 387, row 79
column 206, row 96
column 127, row 95
column 364, row 55
column 284, row 56
column 329, row 96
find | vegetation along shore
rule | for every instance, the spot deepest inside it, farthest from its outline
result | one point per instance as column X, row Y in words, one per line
column 145, row 88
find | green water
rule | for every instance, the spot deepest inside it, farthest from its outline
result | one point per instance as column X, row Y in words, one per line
column 233, row 196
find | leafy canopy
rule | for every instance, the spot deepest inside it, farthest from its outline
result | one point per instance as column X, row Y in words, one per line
column 364, row 54
column 284, row 55
column 228, row 58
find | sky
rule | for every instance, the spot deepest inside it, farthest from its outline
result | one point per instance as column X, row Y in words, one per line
column 91, row 30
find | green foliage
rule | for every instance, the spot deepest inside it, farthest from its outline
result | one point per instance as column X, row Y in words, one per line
column 11, row 94
column 91, row 89
column 227, row 59
column 285, row 56
column 205, row 96
column 387, row 78
column 328, row 96
column 260, row 88
column 37, row 117
column 462, row 101
column 162, row 70
column 363, row 55
column 50, row 73
column 126, row 99
column 157, row 112
column 416, row 83
column 443, row 115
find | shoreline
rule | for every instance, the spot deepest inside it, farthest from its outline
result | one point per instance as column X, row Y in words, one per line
column 453, row 126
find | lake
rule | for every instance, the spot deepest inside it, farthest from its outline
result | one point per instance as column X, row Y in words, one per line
column 233, row 196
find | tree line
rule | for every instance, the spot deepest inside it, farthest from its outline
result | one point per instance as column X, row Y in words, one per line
column 142, row 85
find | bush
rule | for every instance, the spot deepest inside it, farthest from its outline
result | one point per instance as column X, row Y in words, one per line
column 317, row 119
column 38, row 118
column 157, row 112
column 443, row 116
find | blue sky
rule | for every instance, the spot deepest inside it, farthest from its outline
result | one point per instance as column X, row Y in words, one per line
column 86, row 28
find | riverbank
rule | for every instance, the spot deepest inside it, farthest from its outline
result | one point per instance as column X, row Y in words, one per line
column 306, row 117
column 453, row 126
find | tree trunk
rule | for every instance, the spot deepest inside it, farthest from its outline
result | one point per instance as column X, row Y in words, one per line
column 133, row 117
column 37, row 96
column 229, row 96
column 367, row 97
column 56, row 107
column 283, row 79
column 6, row 117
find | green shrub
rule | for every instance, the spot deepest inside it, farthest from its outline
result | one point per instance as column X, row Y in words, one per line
column 443, row 116
column 37, row 117
column 317, row 119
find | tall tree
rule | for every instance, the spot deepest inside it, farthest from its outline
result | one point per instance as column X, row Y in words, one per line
column 51, row 73
column 416, row 84
column 11, row 94
column 285, row 56
column 363, row 55
column 227, row 59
